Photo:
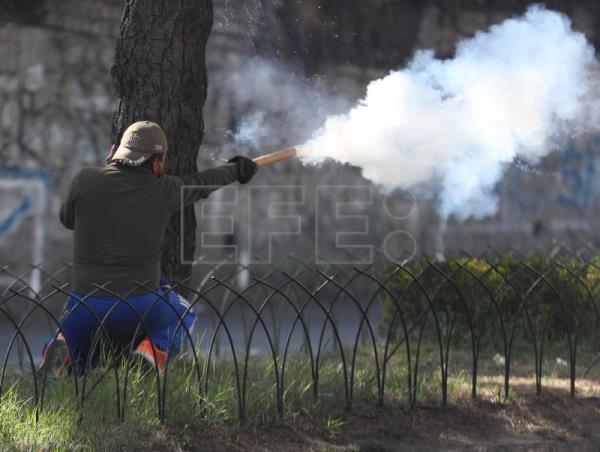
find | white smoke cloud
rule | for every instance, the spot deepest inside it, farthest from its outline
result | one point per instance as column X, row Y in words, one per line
column 514, row 91
column 274, row 107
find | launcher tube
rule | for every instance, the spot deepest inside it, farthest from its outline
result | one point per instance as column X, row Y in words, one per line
column 274, row 157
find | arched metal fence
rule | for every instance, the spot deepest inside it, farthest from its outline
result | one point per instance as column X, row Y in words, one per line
column 365, row 317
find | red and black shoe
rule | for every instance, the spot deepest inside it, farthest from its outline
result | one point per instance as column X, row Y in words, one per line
column 55, row 358
column 152, row 355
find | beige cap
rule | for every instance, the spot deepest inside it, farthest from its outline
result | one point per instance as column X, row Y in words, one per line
column 139, row 142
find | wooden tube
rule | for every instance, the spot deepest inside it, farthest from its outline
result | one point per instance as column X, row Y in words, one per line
column 274, row 157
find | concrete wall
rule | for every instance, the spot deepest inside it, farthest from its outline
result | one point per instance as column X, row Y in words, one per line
column 56, row 104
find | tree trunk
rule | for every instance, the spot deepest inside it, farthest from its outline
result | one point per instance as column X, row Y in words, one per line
column 159, row 75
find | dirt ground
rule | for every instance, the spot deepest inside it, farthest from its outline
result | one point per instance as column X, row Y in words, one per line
column 553, row 421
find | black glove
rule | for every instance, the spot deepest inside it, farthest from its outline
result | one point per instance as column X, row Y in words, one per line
column 246, row 168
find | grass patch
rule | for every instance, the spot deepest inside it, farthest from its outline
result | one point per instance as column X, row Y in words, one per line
column 203, row 413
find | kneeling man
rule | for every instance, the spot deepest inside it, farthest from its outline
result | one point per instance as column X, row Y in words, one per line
column 119, row 214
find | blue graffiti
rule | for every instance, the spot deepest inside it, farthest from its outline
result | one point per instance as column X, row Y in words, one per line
column 26, row 204
column 11, row 220
column 568, row 179
column 27, row 173
column 578, row 173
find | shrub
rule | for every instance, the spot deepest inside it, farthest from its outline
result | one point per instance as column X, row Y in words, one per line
column 557, row 294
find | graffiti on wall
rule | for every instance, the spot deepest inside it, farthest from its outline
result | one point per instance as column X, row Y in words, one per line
column 25, row 195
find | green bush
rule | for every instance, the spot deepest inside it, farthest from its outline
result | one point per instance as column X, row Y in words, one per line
column 561, row 302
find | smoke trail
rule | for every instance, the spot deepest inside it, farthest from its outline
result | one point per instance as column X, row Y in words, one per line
column 276, row 107
column 514, row 91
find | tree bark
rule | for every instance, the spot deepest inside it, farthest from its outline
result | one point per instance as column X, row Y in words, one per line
column 159, row 74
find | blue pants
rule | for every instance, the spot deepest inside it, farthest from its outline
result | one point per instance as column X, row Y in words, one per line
column 161, row 323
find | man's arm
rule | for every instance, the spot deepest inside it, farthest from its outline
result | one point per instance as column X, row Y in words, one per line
column 203, row 183
column 67, row 209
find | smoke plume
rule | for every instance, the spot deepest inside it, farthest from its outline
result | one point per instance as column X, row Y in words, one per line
column 515, row 91
column 274, row 106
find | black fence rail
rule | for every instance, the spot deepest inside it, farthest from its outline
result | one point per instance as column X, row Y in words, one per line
column 368, row 317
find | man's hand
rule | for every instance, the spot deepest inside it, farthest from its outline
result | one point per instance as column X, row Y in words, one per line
column 246, row 168
column 109, row 157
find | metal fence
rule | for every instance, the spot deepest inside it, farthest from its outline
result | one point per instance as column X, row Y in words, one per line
column 295, row 309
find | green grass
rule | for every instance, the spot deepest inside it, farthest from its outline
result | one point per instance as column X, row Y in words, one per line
column 65, row 424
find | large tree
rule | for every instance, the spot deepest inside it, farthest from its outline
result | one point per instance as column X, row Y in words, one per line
column 159, row 74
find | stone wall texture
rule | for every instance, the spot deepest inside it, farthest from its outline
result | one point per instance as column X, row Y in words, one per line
column 56, row 105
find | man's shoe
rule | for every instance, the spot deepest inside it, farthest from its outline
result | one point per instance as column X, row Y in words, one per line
column 55, row 358
column 156, row 358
